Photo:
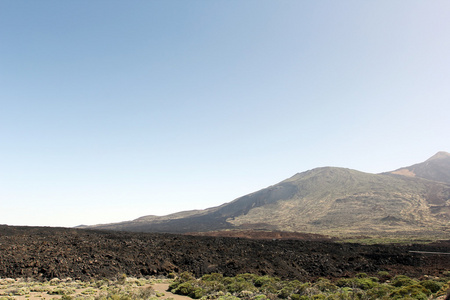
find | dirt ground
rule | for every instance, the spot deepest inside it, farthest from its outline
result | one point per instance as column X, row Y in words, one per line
column 162, row 288
column 45, row 253
column 26, row 289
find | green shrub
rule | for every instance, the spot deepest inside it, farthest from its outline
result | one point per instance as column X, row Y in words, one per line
column 253, row 287
column 384, row 274
column 103, row 282
column 285, row 292
column 116, row 297
column 259, row 281
column 298, row 287
column 212, row 287
column 19, row 291
column 296, row 297
column 268, row 285
column 88, row 291
column 186, row 276
column 374, row 279
column 212, row 277
column 271, row 287
column 61, row 292
column 402, row 280
column 431, row 285
column 380, row 291
column 173, row 286
column 189, row 288
column 245, row 295
column 414, row 291
column 246, row 277
column 360, row 283
column 239, row 286
column 227, row 280
column 197, row 293
column 183, row 288
column 39, row 288
column 444, row 289
column 183, row 282
column 325, row 285
column 305, row 297
column 345, row 293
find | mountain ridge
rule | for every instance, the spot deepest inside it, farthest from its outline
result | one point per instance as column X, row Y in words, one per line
column 436, row 168
column 329, row 201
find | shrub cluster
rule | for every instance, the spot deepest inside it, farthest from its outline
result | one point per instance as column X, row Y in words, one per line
column 123, row 288
column 254, row 287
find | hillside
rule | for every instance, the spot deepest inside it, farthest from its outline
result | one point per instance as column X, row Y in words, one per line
column 435, row 168
column 335, row 200
column 330, row 201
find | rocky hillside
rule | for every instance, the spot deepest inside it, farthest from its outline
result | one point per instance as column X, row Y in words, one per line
column 330, row 201
column 436, row 168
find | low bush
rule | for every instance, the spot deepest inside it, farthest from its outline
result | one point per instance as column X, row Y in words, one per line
column 244, row 286
column 402, row 280
column 61, row 291
column 363, row 283
column 431, row 285
column 325, row 285
column 239, row 286
column 415, row 291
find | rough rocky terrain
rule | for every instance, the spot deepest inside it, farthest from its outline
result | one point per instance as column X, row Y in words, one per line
column 264, row 235
column 83, row 254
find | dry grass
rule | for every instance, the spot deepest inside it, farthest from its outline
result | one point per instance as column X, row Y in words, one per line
column 122, row 288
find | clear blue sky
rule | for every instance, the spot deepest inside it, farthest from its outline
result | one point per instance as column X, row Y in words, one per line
column 112, row 110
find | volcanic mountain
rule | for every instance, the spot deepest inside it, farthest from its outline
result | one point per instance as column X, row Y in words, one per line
column 328, row 200
column 435, row 168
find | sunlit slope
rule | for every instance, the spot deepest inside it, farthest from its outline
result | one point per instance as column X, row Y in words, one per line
column 324, row 200
column 435, row 168
column 334, row 200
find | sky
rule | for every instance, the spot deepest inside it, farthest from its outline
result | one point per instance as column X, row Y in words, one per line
column 113, row 110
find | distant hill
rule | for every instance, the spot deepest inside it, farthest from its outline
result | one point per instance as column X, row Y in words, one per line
column 330, row 201
column 435, row 168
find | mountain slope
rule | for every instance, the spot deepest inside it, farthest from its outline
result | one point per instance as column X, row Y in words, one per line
column 436, row 168
column 335, row 200
column 323, row 200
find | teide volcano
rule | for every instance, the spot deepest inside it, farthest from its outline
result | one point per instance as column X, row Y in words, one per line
column 436, row 168
column 329, row 200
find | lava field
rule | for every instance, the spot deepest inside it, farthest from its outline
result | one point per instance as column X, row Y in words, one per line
column 46, row 252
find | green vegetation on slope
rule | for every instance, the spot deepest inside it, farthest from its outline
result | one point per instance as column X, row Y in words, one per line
column 336, row 201
column 243, row 286
column 254, row 287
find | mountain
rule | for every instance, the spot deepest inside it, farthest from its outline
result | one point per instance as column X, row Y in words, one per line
column 435, row 168
column 328, row 200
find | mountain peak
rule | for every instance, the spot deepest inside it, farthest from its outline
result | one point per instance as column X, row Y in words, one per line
column 327, row 200
column 435, row 168
column 440, row 155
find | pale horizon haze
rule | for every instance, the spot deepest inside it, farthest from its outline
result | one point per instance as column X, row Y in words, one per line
column 113, row 110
